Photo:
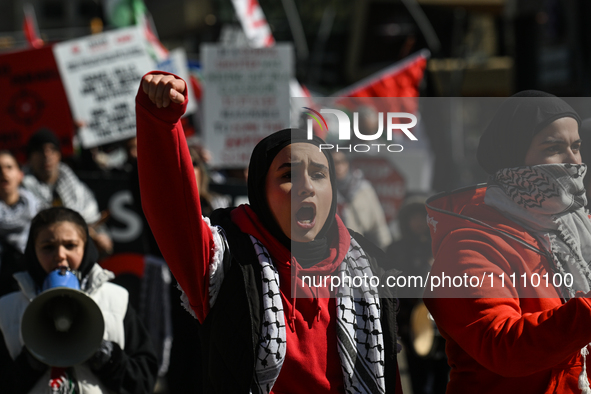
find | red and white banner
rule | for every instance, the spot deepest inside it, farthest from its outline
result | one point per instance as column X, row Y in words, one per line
column 254, row 23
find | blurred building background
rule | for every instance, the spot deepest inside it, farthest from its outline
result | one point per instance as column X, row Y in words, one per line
column 478, row 47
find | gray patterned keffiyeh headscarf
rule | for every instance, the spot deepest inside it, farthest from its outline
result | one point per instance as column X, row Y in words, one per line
column 548, row 200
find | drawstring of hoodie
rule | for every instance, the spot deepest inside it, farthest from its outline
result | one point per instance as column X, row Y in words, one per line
column 292, row 317
column 583, row 380
column 318, row 307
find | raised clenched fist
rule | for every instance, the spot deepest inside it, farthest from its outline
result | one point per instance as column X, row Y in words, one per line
column 162, row 89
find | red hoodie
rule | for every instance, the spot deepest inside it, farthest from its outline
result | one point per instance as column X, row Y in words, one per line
column 501, row 339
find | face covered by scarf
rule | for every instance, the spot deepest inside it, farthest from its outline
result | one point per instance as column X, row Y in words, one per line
column 308, row 253
column 46, row 218
column 546, row 199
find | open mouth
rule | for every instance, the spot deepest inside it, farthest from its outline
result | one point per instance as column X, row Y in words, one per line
column 306, row 216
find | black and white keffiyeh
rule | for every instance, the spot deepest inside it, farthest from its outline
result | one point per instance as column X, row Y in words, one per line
column 548, row 200
column 73, row 193
column 359, row 331
column 272, row 343
column 359, row 328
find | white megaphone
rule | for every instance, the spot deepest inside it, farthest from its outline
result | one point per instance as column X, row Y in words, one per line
column 62, row 326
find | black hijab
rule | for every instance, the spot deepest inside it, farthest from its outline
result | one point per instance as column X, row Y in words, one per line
column 508, row 136
column 46, row 218
column 306, row 253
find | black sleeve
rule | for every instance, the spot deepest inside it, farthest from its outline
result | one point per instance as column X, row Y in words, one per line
column 17, row 376
column 133, row 369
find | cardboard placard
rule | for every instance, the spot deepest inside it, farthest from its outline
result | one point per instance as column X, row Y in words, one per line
column 245, row 98
column 101, row 75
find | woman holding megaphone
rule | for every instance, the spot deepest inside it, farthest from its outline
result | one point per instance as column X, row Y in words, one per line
column 53, row 347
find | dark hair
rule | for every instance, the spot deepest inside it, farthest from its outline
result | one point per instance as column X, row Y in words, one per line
column 53, row 215
column 40, row 138
column 9, row 153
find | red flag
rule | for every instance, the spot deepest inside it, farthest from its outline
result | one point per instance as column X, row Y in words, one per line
column 399, row 80
column 30, row 27
column 394, row 89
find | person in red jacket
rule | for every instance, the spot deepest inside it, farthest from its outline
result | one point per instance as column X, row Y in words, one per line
column 518, row 321
column 264, row 329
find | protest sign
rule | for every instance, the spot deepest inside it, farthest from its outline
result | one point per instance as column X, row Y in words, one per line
column 32, row 98
column 245, row 98
column 101, row 74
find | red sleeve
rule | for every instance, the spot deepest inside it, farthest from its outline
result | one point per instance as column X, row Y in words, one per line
column 510, row 334
column 170, row 199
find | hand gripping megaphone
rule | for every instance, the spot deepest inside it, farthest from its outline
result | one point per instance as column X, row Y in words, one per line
column 62, row 326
